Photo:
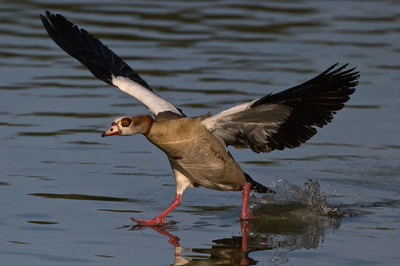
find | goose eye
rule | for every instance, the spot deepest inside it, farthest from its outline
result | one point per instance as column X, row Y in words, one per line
column 125, row 122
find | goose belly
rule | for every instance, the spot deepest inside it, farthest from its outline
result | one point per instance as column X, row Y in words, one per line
column 197, row 154
column 206, row 165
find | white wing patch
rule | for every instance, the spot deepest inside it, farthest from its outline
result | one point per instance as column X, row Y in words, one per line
column 243, row 126
column 151, row 100
column 212, row 122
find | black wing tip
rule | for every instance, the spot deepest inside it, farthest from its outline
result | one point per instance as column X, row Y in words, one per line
column 314, row 103
column 79, row 44
column 49, row 15
column 337, row 78
column 51, row 19
column 46, row 15
column 102, row 62
column 257, row 187
column 351, row 74
column 336, row 74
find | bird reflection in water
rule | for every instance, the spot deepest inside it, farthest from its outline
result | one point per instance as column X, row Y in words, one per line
column 279, row 232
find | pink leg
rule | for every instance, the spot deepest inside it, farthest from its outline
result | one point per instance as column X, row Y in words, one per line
column 246, row 213
column 174, row 240
column 160, row 219
column 246, row 229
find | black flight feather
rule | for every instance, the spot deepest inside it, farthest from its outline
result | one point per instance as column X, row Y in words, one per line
column 313, row 104
column 92, row 53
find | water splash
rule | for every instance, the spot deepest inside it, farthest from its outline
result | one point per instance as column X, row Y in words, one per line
column 295, row 217
column 291, row 197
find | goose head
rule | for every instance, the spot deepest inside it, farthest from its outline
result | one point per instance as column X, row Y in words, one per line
column 129, row 125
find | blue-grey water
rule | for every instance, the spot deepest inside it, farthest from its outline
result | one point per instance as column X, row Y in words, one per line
column 66, row 194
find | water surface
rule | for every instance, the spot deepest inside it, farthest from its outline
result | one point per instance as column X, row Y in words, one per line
column 66, row 194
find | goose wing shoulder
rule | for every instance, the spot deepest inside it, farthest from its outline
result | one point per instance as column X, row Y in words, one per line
column 102, row 62
column 288, row 118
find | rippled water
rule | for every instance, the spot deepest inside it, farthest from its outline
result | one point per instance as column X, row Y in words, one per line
column 66, row 194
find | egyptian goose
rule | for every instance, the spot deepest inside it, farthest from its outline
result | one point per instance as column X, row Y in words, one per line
column 196, row 147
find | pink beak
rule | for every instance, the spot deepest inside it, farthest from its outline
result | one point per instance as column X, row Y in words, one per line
column 113, row 130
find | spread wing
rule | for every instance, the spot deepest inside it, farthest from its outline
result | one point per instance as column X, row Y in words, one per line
column 288, row 118
column 102, row 62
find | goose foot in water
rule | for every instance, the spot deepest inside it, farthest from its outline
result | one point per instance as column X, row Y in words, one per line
column 160, row 219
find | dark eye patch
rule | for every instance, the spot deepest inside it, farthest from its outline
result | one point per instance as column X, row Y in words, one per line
column 126, row 122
